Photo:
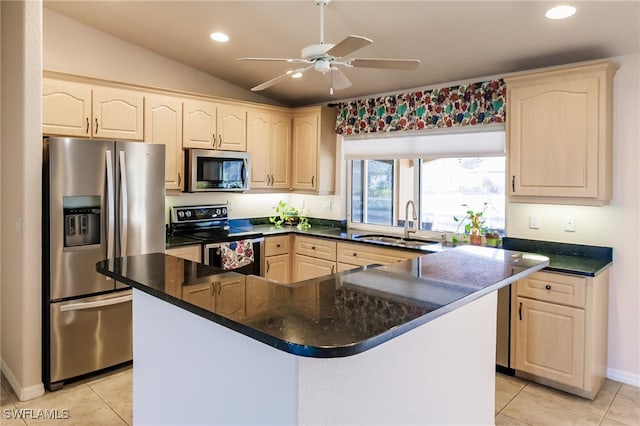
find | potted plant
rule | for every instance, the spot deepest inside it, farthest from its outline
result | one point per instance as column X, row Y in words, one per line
column 289, row 215
column 473, row 224
column 492, row 238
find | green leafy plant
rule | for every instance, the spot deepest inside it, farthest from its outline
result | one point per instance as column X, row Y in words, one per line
column 289, row 215
column 473, row 221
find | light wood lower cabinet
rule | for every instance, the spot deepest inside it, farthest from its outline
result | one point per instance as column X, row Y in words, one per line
column 191, row 252
column 277, row 258
column 559, row 331
column 353, row 255
column 224, row 294
column 306, row 267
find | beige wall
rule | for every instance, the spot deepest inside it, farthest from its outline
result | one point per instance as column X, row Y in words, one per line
column 21, row 146
column 74, row 48
column 615, row 225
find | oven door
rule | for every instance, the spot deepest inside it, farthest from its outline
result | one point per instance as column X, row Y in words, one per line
column 212, row 256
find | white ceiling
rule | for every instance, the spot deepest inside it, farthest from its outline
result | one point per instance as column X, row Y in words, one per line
column 454, row 40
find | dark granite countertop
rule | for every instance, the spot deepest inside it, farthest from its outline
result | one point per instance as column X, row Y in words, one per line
column 340, row 314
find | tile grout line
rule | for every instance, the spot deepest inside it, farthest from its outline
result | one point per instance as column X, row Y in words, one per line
column 107, row 404
column 610, row 404
column 510, row 400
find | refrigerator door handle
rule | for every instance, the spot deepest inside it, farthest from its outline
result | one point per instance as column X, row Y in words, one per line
column 96, row 303
column 111, row 218
column 124, row 223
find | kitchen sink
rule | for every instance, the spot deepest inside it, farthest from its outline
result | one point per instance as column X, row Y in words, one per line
column 394, row 240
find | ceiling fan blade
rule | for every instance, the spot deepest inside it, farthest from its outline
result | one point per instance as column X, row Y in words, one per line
column 337, row 78
column 302, row 61
column 278, row 79
column 348, row 45
column 392, row 64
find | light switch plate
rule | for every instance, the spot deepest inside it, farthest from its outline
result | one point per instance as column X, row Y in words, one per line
column 534, row 221
column 570, row 224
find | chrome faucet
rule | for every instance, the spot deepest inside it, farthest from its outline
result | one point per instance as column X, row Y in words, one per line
column 414, row 229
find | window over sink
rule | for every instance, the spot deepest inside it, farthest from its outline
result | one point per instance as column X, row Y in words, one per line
column 439, row 180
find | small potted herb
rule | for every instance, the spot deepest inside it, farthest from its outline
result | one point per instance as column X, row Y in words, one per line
column 492, row 238
column 473, row 224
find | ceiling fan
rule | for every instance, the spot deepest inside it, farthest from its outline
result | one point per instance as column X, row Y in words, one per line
column 326, row 57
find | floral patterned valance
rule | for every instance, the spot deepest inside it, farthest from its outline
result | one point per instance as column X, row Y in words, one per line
column 463, row 105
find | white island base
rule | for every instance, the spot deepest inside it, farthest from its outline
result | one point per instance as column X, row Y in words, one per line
column 189, row 370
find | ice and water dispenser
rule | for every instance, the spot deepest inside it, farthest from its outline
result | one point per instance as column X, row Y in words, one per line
column 81, row 222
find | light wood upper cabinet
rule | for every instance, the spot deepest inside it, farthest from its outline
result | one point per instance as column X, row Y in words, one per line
column 66, row 108
column 118, row 113
column 314, row 150
column 208, row 125
column 77, row 109
column 163, row 125
column 269, row 142
column 559, row 131
column 199, row 121
column 232, row 128
column 559, row 331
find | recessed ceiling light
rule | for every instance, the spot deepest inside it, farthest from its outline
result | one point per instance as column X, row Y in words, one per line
column 560, row 12
column 221, row 37
column 296, row 75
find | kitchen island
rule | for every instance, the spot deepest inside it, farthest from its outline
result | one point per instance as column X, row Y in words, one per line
column 408, row 343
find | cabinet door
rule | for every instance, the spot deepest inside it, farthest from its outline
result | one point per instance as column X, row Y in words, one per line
column 230, row 295
column 550, row 341
column 198, row 294
column 259, row 148
column 305, row 152
column 232, row 128
column 306, row 267
column 257, row 294
column 278, row 268
column 199, row 121
column 163, row 125
column 280, row 156
column 66, row 108
column 117, row 114
column 192, row 252
column 553, row 137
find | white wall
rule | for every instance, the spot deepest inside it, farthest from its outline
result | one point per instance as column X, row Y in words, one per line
column 21, row 146
column 615, row 225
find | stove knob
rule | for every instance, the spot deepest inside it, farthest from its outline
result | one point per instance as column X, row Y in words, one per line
column 224, row 210
column 217, row 212
column 188, row 213
column 180, row 214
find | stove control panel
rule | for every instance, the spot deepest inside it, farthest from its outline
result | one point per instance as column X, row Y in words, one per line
column 185, row 214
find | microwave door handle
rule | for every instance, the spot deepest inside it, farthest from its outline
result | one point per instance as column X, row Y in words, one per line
column 124, row 220
column 110, row 198
column 244, row 172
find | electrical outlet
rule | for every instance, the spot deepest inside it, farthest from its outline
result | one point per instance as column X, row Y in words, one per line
column 327, row 205
column 534, row 221
column 570, row 224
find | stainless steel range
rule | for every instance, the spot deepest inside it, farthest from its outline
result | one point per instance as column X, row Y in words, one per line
column 209, row 224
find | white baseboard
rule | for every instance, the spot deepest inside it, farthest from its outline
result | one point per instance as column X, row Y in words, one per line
column 623, row 377
column 23, row 394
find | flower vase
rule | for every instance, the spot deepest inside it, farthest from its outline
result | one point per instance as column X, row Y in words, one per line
column 475, row 238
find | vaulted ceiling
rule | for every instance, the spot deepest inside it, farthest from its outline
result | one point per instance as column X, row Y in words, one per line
column 454, row 40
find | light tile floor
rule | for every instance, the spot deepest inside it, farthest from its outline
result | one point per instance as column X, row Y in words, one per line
column 106, row 400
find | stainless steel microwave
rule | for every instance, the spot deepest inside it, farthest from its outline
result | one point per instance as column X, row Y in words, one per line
column 211, row 170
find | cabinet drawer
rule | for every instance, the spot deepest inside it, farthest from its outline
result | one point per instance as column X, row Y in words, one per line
column 315, row 247
column 362, row 254
column 277, row 245
column 555, row 288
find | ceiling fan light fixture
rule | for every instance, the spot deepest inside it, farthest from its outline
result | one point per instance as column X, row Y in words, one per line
column 219, row 37
column 560, row 12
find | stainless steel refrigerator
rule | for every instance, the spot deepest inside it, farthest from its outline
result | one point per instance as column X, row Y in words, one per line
column 101, row 200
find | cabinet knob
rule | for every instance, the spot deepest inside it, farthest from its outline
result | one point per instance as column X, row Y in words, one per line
column 355, row 254
column 313, row 247
column 87, row 130
column 547, row 287
column 96, row 126
column 278, row 245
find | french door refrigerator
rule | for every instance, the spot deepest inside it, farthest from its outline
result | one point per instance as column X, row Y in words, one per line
column 101, row 200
